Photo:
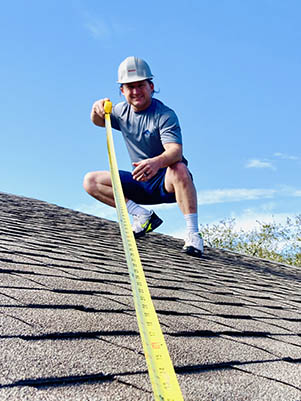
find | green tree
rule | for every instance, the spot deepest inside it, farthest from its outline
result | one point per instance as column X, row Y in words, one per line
column 280, row 242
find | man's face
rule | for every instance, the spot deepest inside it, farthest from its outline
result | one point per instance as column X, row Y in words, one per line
column 138, row 94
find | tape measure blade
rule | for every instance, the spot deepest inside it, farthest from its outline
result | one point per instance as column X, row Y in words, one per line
column 160, row 367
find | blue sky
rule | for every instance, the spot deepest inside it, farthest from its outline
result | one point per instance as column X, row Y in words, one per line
column 230, row 70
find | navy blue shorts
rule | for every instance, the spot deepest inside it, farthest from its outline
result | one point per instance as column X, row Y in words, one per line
column 150, row 192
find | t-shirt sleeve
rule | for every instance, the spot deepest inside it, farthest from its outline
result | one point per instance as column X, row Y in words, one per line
column 169, row 128
column 116, row 109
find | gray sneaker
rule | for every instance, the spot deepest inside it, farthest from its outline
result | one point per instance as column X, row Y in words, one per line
column 194, row 245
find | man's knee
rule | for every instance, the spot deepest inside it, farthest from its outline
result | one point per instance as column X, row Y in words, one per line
column 95, row 178
column 178, row 176
column 89, row 181
column 180, row 172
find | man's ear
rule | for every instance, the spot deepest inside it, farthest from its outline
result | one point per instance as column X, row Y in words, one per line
column 121, row 89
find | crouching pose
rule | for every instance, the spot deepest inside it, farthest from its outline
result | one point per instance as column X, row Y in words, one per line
column 153, row 138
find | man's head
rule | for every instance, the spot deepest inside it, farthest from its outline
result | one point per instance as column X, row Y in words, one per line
column 135, row 78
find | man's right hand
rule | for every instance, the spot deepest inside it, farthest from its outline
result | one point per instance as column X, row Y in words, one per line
column 98, row 113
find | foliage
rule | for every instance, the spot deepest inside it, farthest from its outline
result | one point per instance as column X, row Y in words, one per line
column 273, row 241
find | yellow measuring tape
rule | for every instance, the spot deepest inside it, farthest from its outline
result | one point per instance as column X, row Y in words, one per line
column 160, row 368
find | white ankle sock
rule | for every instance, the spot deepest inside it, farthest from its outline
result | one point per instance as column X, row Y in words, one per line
column 191, row 222
column 136, row 210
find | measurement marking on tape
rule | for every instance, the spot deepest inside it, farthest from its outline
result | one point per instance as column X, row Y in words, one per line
column 160, row 368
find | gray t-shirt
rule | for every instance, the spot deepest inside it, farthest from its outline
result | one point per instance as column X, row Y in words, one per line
column 146, row 131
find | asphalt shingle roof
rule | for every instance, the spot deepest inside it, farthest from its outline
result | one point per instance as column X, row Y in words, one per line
column 68, row 325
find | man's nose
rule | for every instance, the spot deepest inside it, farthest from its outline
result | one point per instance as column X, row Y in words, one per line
column 135, row 91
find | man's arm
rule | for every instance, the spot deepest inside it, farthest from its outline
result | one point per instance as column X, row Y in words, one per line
column 147, row 168
column 171, row 155
column 98, row 113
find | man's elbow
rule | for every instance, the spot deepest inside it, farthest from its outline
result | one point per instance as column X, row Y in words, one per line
column 178, row 156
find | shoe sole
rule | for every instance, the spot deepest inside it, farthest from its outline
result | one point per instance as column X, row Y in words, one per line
column 155, row 225
column 192, row 251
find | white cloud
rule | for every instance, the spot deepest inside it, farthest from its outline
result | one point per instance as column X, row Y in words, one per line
column 256, row 163
column 233, row 195
column 285, row 156
column 249, row 218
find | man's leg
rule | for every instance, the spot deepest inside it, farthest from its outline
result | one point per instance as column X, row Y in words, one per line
column 179, row 181
column 99, row 185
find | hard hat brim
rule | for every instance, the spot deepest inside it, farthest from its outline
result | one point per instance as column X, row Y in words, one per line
column 134, row 79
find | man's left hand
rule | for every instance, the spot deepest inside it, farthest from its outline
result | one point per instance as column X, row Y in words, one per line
column 145, row 169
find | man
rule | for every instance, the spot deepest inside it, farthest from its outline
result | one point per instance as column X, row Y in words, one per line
column 153, row 138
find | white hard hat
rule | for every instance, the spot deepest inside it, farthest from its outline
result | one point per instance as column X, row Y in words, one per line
column 133, row 69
